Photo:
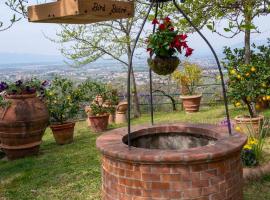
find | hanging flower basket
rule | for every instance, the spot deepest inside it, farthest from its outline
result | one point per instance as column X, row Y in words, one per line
column 163, row 65
column 165, row 44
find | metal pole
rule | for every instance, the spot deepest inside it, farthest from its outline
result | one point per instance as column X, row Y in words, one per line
column 150, row 75
column 218, row 64
column 129, row 73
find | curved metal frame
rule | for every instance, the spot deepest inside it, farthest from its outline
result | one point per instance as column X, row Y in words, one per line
column 150, row 71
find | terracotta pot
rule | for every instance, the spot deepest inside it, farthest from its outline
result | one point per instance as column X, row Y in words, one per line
column 163, row 65
column 191, row 104
column 247, row 124
column 63, row 133
column 99, row 123
column 22, row 125
column 122, row 107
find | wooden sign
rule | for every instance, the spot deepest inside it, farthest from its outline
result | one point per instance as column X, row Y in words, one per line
column 80, row 11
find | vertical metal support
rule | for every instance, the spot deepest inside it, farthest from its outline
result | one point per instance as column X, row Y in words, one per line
column 150, row 75
column 217, row 61
column 129, row 73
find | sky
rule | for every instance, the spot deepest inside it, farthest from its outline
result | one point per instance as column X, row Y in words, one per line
column 29, row 38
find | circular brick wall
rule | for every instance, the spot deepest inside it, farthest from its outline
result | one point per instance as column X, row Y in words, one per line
column 212, row 172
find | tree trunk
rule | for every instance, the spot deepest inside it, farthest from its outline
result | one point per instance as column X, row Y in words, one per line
column 248, row 23
column 137, row 112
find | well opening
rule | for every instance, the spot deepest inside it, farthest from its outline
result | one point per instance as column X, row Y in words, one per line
column 170, row 141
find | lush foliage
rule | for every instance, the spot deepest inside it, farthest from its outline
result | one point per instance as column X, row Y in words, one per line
column 166, row 41
column 190, row 77
column 63, row 99
column 248, row 83
column 102, row 97
column 20, row 87
column 252, row 152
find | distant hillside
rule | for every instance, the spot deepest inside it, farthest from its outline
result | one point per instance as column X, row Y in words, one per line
column 7, row 58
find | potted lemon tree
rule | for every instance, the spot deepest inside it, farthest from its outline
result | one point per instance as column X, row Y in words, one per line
column 63, row 100
column 189, row 79
column 248, row 83
column 165, row 45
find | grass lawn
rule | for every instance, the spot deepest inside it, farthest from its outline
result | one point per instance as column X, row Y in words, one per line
column 73, row 171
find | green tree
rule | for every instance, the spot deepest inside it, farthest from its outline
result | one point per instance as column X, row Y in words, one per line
column 239, row 15
column 86, row 43
column 18, row 8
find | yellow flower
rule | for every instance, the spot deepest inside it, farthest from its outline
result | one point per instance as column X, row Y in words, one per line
column 237, row 104
column 239, row 76
column 237, row 128
column 232, row 71
column 247, row 146
column 69, row 97
column 253, row 69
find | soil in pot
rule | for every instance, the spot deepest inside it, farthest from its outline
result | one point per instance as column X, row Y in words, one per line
column 63, row 133
column 249, row 125
column 163, row 65
column 192, row 103
column 22, row 125
column 99, row 123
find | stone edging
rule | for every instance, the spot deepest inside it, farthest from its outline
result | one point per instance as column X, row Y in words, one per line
column 251, row 174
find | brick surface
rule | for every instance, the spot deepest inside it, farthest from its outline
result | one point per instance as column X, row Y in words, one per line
column 183, row 176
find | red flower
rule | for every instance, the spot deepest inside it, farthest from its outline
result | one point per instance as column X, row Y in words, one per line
column 183, row 36
column 162, row 27
column 171, row 29
column 167, row 19
column 189, row 52
column 155, row 21
column 184, row 44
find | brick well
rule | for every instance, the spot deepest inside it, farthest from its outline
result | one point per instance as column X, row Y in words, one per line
column 212, row 172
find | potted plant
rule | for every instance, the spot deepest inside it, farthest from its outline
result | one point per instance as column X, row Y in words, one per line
column 24, row 117
column 165, row 43
column 63, row 101
column 189, row 79
column 248, row 84
column 102, row 99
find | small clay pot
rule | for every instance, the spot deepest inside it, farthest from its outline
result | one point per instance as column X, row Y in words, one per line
column 192, row 103
column 63, row 133
column 248, row 124
column 99, row 123
column 163, row 65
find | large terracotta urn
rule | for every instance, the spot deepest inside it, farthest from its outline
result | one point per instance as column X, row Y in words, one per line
column 22, row 125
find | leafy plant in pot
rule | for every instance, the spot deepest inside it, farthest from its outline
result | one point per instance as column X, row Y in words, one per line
column 248, row 84
column 189, row 79
column 24, row 117
column 165, row 43
column 63, row 101
column 101, row 106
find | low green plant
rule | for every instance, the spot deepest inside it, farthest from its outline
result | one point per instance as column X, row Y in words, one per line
column 248, row 83
column 252, row 153
column 190, row 77
column 63, row 100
